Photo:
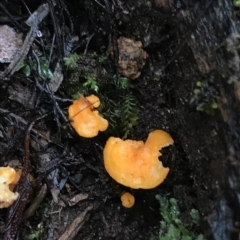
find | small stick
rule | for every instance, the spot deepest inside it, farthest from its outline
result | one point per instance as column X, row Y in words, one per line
column 15, row 213
column 27, row 141
column 72, row 230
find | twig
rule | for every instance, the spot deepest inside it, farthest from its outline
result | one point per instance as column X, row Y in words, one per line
column 24, row 122
column 72, row 230
column 36, row 202
column 33, row 21
column 15, row 212
column 56, row 30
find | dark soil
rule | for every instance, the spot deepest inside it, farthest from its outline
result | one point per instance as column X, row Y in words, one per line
column 165, row 98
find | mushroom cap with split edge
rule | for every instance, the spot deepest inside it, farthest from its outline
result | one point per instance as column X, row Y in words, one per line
column 134, row 163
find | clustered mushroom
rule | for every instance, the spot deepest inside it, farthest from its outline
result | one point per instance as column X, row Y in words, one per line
column 8, row 177
column 85, row 119
column 135, row 164
column 131, row 163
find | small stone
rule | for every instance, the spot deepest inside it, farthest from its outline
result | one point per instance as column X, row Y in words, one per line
column 10, row 43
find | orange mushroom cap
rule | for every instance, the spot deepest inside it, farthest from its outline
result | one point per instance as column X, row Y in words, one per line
column 85, row 119
column 135, row 164
column 127, row 199
column 8, row 176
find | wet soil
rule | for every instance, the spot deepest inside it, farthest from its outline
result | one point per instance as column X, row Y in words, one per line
column 163, row 91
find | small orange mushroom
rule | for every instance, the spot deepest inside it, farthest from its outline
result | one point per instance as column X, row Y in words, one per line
column 8, row 176
column 127, row 199
column 85, row 119
column 135, row 164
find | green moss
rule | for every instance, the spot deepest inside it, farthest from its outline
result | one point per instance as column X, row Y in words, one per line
column 101, row 58
column 205, row 97
column 71, row 61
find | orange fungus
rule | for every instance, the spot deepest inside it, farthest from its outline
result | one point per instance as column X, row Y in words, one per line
column 85, row 119
column 8, row 176
column 127, row 199
column 134, row 163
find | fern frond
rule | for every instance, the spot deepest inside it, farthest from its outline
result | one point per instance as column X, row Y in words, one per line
column 128, row 113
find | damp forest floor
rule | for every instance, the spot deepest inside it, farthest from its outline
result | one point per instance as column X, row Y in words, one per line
column 163, row 96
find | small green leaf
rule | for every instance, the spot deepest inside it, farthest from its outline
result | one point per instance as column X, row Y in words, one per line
column 199, row 84
column 75, row 96
column 200, row 237
column 214, row 105
column 196, row 91
column 237, row 3
column 22, row 64
column 91, row 83
column 195, row 216
column 46, row 72
column 34, row 235
column 26, row 70
column 71, row 61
